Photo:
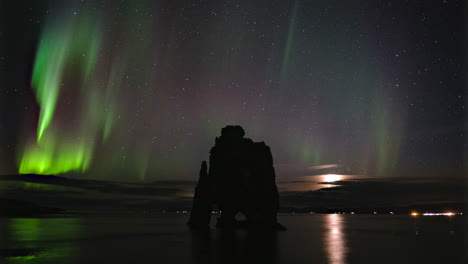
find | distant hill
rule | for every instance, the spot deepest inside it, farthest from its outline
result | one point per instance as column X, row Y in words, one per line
column 26, row 195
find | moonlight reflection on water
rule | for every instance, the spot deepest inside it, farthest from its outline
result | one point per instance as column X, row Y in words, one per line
column 335, row 241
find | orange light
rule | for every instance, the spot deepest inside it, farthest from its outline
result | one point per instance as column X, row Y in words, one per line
column 414, row 214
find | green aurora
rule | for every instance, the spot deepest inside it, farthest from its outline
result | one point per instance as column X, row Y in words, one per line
column 70, row 45
column 77, row 88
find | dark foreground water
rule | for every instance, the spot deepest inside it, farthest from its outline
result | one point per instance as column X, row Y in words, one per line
column 164, row 238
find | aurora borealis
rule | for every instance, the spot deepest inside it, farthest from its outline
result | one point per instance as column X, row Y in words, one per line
column 139, row 89
column 62, row 47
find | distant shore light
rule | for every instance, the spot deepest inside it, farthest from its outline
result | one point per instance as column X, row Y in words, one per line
column 435, row 214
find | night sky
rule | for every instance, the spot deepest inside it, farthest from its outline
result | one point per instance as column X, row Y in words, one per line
column 140, row 89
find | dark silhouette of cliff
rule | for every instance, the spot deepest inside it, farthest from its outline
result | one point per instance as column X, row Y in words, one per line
column 241, row 179
column 201, row 209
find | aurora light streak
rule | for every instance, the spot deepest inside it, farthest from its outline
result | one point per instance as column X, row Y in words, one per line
column 70, row 45
column 61, row 45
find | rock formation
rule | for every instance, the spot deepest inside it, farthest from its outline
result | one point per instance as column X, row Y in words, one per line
column 241, row 179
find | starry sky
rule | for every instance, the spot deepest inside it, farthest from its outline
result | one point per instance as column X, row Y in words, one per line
column 138, row 90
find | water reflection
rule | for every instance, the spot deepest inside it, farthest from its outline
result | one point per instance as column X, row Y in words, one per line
column 234, row 246
column 336, row 247
column 35, row 239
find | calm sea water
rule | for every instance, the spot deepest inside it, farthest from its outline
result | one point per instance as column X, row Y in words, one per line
column 164, row 238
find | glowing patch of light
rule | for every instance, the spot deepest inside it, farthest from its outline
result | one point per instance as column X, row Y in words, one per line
column 332, row 177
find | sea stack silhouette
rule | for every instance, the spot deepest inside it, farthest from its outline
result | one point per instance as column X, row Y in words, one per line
column 240, row 179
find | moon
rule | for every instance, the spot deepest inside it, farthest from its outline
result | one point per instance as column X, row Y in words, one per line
column 331, row 177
